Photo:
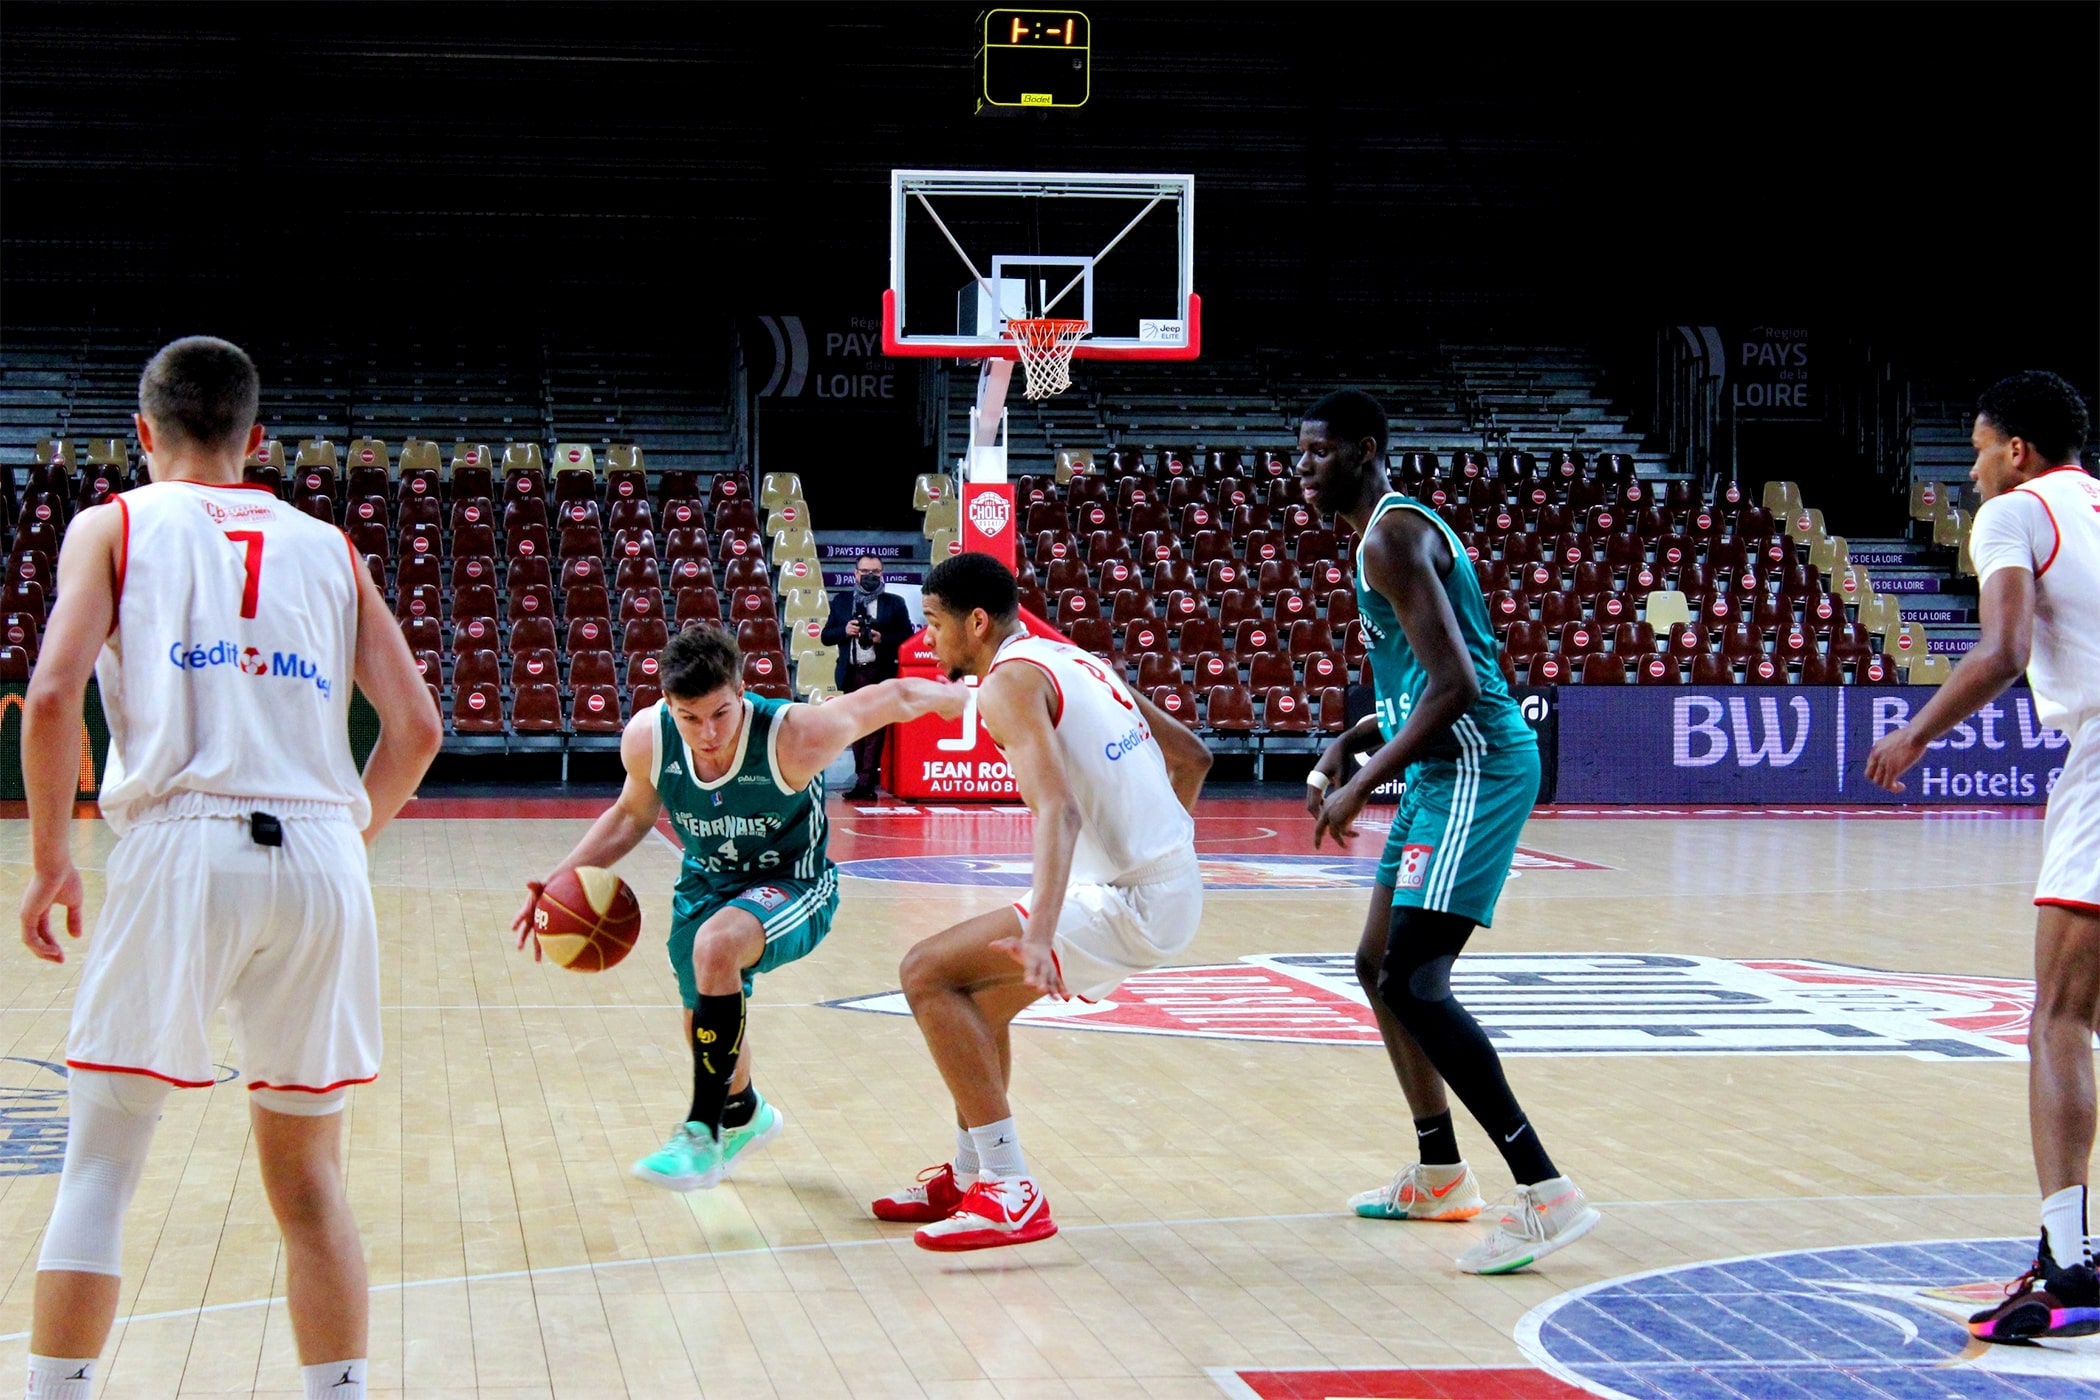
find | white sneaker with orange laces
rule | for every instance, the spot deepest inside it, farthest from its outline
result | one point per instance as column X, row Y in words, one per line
column 1536, row 1221
column 1421, row 1192
column 994, row 1212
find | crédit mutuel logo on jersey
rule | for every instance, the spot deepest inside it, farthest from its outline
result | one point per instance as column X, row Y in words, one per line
column 250, row 661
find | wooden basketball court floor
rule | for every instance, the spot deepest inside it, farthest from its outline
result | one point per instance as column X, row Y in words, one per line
column 1710, row 1047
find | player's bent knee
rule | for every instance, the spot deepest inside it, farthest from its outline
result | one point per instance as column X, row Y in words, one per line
column 108, row 1133
column 297, row 1103
column 920, row 974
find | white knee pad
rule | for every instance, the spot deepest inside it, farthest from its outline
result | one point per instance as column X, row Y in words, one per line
column 108, row 1132
column 298, row 1103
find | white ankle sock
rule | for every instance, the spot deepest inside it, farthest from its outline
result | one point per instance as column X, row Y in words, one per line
column 335, row 1380
column 965, row 1160
column 2063, row 1225
column 999, row 1150
column 60, row 1377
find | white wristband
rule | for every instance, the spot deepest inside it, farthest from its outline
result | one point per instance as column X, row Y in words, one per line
column 1317, row 781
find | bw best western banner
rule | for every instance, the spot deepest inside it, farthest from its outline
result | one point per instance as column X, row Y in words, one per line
column 1769, row 744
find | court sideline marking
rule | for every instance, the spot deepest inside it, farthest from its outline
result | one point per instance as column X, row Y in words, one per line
column 899, row 1242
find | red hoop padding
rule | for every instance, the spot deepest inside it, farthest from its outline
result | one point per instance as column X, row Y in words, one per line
column 949, row 349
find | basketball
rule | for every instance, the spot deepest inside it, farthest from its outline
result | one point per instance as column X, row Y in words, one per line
column 587, row 919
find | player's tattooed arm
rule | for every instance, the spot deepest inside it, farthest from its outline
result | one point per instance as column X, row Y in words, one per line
column 1405, row 560
column 1188, row 757
column 812, row 736
column 1015, row 703
column 619, row 829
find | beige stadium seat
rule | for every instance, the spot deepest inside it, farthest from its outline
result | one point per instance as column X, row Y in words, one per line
column 818, row 694
column 1074, row 463
column 421, row 454
column 624, row 457
column 1805, row 523
column 107, row 452
column 59, row 450
column 369, row 452
column 778, row 487
column 1964, row 562
column 471, row 454
column 1667, row 608
column 269, row 454
column 1950, row 526
column 1908, row 640
column 797, row 573
column 943, row 514
column 523, row 457
column 1822, row 554
column 1855, row 585
column 791, row 515
column 1844, row 553
column 575, row 457
column 1782, row 498
column 946, row 544
column 317, row 452
column 1929, row 669
column 929, row 487
column 802, row 602
column 822, row 662
column 794, row 544
column 1879, row 615
column 1926, row 498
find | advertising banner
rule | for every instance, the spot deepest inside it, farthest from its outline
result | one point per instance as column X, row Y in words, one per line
column 948, row 760
column 1790, row 745
column 1541, row 712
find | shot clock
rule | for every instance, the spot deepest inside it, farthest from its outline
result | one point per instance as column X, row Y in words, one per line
column 1035, row 58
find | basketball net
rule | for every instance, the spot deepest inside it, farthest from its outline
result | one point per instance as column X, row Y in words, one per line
column 1045, row 345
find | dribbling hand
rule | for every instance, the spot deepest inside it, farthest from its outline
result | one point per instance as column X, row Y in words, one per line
column 522, row 925
column 46, row 889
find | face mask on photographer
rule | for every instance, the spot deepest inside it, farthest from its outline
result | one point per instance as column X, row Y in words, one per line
column 870, row 580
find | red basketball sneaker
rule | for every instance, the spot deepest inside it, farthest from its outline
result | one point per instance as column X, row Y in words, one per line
column 992, row 1213
column 934, row 1198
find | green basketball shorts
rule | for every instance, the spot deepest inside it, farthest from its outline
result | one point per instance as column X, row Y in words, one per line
column 1456, row 831
column 795, row 914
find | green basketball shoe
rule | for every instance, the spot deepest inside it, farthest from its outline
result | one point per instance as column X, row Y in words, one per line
column 765, row 1125
column 690, row 1161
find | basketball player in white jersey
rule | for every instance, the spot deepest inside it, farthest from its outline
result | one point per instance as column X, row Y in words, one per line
column 1112, row 781
column 2035, row 541
column 225, row 629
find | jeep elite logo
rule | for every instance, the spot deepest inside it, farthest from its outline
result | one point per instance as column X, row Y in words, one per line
column 989, row 512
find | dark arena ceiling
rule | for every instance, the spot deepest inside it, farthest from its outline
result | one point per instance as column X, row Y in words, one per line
column 1362, row 171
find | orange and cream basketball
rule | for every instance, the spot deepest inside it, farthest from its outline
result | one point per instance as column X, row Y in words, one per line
column 587, row 919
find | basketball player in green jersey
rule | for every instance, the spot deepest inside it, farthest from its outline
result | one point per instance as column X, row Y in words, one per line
column 1445, row 719
column 742, row 777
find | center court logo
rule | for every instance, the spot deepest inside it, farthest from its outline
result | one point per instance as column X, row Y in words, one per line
column 1576, row 1004
column 1879, row 1320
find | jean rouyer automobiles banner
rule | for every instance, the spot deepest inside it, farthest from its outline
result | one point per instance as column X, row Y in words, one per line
column 1772, row 744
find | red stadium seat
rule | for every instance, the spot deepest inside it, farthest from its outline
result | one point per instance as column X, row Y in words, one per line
column 1308, row 635
column 1253, row 635
column 1155, row 669
column 594, row 709
column 1144, row 637
column 638, row 603
column 1198, row 634
column 1603, row 668
column 1214, row 668
column 1270, row 668
column 584, row 570
column 1284, row 711
column 1229, row 709
column 1177, row 700
column 477, row 709
column 585, row 600
column 532, row 633
column 1237, row 605
column 1657, row 669
column 535, row 709
column 1545, row 668
column 590, row 668
column 538, row 666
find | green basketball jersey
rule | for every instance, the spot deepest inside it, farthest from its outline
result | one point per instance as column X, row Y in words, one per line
column 1494, row 721
column 747, row 826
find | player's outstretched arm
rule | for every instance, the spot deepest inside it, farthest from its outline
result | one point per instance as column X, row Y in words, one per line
column 618, row 830
column 2005, row 608
column 81, row 619
column 1401, row 559
column 1016, row 704
column 410, row 731
column 812, row 736
column 1188, row 757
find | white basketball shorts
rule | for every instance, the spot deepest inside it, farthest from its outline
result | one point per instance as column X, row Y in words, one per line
column 197, row 916
column 2071, row 833
column 1108, row 932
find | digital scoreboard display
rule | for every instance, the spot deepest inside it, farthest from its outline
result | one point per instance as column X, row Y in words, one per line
column 1035, row 58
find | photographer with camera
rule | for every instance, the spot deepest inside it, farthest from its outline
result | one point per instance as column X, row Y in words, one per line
column 867, row 626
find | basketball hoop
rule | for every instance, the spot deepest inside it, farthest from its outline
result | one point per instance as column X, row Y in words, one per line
column 1045, row 346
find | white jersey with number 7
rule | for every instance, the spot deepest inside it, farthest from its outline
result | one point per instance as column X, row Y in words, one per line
column 1130, row 815
column 229, row 667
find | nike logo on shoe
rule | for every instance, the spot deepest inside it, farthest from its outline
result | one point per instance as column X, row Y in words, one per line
column 1442, row 1191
